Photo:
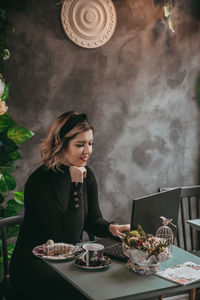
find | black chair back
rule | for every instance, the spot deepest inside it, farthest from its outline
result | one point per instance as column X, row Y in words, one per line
column 188, row 238
column 5, row 287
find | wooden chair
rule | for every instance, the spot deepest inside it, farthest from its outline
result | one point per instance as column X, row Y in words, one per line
column 188, row 238
column 6, row 289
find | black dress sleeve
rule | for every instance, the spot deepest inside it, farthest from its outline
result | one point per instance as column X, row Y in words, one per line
column 41, row 204
column 95, row 223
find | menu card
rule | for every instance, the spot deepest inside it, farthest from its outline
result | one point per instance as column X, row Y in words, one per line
column 182, row 274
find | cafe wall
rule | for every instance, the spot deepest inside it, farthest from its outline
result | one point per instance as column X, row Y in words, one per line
column 138, row 91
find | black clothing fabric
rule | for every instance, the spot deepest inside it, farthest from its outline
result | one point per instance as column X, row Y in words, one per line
column 38, row 281
column 57, row 209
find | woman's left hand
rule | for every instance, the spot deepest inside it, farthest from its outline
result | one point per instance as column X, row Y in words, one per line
column 117, row 230
column 77, row 173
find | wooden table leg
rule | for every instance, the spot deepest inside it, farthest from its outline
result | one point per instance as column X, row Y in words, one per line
column 192, row 294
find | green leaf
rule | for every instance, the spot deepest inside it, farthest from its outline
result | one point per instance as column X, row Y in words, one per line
column 2, row 211
column 7, row 168
column 6, row 92
column 7, row 157
column 8, row 145
column 12, row 208
column 1, row 198
column 11, row 247
column 15, row 155
column 19, row 134
column 11, row 182
column 2, row 13
column 5, row 122
column 4, row 159
column 3, row 185
column 7, row 182
column 19, row 197
column 4, row 194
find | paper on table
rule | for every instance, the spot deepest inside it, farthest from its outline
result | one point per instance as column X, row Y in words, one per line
column 182, row 274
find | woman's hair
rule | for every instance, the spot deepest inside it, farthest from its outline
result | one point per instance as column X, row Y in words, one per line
column 55, row 143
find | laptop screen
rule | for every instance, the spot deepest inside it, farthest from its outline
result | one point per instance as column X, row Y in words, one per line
column 147, row 210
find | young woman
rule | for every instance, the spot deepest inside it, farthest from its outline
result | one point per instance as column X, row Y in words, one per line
column 61, row 201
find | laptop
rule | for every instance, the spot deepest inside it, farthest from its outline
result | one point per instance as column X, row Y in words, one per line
column 146, row 211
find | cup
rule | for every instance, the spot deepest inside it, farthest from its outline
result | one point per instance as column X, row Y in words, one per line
column 93, row 254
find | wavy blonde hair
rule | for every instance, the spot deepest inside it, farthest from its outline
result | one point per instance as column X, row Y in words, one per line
column 53, row 146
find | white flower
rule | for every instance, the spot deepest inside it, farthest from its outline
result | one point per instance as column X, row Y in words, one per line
column 3, row 107
column 2, row 87
column 6, row 54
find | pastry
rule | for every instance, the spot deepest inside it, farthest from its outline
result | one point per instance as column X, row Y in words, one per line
column 51, row 248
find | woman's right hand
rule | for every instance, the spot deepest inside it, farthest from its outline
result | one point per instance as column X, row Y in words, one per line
column 77, row 173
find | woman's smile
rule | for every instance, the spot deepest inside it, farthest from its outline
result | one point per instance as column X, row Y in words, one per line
column 80, row 149
column 85, row 158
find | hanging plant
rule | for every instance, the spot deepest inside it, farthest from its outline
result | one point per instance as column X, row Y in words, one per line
column 11, row 135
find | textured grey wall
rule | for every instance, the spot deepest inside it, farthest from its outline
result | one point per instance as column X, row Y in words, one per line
column 138, row 90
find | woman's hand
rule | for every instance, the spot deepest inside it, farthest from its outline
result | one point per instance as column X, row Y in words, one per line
column 117, row 230
column 77, row 173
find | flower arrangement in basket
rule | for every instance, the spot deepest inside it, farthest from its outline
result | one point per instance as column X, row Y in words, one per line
column 145, row 251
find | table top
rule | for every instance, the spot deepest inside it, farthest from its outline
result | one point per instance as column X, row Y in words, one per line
column 118, row 282
column 195, row 223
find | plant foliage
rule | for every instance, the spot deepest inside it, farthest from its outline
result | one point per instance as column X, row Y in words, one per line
column 11, row 135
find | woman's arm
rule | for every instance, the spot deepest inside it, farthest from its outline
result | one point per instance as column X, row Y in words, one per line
column 95, row 223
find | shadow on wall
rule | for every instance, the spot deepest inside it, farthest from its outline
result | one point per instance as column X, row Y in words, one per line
column 162, row 2
column 194, row 9
column 15, row 5
column 158, row 31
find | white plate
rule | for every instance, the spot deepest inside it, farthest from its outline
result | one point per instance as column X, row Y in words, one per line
column 39, row 252
column 108, row 262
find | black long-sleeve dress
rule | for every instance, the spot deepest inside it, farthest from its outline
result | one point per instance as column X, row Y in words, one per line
column 57, row 209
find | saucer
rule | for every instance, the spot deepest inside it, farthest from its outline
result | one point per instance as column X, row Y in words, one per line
column 79, row 263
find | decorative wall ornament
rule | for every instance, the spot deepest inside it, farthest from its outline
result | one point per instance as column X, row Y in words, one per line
column 89, row 23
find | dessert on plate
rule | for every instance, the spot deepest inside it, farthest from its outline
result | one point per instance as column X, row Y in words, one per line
column 50, row 248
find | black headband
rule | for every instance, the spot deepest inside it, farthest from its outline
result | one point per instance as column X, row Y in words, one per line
column 71, row 123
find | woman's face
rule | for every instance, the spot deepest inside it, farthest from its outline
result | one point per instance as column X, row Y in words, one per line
column 79, row 149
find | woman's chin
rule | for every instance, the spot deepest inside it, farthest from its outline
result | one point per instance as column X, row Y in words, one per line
column 80, row 164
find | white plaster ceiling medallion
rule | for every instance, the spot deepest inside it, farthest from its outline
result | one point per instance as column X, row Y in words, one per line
column 89, row 23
